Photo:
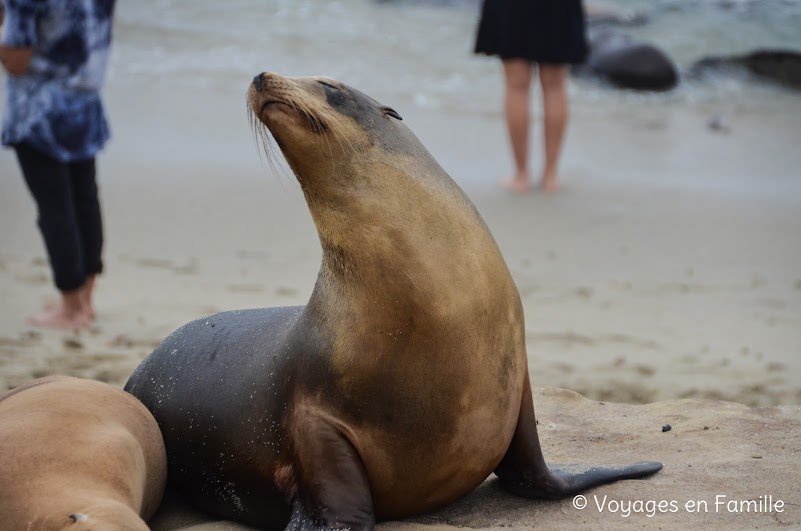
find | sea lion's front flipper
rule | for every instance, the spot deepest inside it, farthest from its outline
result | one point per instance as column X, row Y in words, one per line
column 523, row 471
column 333, row 491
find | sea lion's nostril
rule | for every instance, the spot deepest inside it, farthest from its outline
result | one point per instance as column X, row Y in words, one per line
column 257, row 82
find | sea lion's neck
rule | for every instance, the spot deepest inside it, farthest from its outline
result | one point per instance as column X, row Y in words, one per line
column 420, row 245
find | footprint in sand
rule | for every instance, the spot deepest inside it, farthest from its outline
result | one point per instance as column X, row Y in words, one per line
column 38, row 373
column 568, row 338
column 126, row 342
column 11, row 342
column 25, row 339
column 245, row 288
column 584, row 292
column 625, row 339
column 564, row 368
column 285, row 291
column 36, row 279
column 117, row 375
column 685, row 287
column 161, row 263
column 619, row 391
column 573, row 338
column 775, row 366
column 72, row 343
column 244, row 253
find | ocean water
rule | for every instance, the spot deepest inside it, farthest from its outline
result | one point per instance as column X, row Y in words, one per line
column 420, row 52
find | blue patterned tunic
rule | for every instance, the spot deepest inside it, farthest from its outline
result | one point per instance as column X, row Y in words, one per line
column 55, row 105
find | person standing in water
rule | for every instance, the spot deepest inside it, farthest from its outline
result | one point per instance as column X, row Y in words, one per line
column 55, row 52
column 548, row 34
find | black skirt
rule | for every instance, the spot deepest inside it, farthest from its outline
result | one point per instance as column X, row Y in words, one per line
column 540, row 31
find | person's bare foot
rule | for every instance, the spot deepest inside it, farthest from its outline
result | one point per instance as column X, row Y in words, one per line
column 53, row 306
column 85, row 293
column 549, row 184
column 518, row 185
column 70, row 312
column 60, row 317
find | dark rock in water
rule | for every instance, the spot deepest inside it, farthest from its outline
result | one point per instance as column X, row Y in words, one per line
column 627, row 63
column 782, row 66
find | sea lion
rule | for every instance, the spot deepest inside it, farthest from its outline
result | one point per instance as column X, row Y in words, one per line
column 78, row 454
column 400, row 386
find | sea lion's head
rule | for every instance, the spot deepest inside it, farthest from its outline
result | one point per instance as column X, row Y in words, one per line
column 358, row 164
column 325, row 128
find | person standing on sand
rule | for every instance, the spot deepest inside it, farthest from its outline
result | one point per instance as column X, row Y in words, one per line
column 55, row 53
column 550, row 34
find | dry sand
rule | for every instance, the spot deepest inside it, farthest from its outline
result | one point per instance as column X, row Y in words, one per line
column 668, row 267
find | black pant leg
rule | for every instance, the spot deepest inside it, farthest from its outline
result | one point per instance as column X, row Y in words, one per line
column 50, row 185
column 87, row 208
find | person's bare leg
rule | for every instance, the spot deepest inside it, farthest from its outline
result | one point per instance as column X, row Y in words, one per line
column 87, row 291
column 553, row 79
column 517, row 77
column 70, row 312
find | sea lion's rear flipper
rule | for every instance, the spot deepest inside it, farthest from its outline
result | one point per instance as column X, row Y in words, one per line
column 572, row 479
column 523, row 471
column 579, row 478
column 332, row 487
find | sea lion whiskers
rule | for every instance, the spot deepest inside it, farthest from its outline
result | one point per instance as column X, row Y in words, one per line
column 315, row 112
column 260, row 135
column 316, row 124
column 330, row 121
column 319, row 119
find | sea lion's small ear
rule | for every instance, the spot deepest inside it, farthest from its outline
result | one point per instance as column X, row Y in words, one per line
column 78, row 517
column 389, row 111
